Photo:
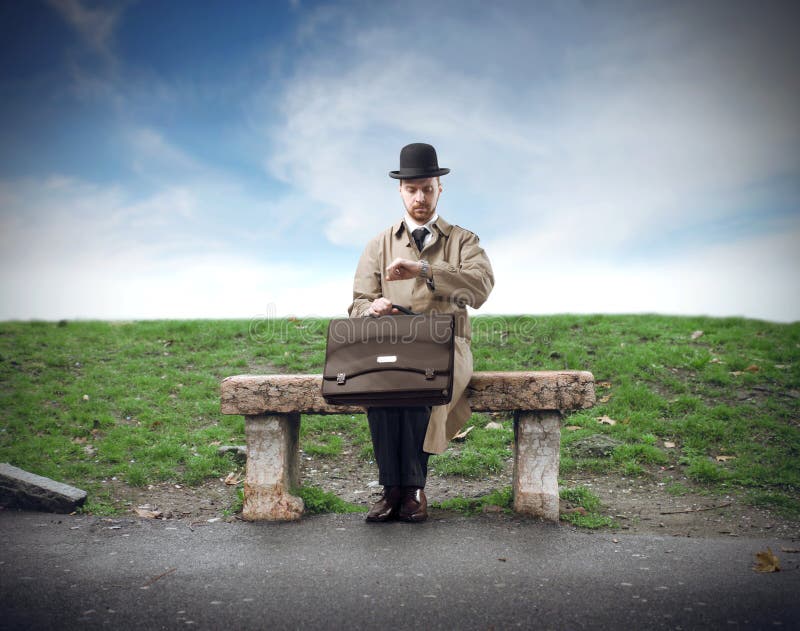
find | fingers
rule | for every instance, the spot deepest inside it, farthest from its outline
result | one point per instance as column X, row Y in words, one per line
column 381, row 306
column 400, row 269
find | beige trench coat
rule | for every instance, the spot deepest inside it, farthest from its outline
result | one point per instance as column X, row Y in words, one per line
column 462, row 275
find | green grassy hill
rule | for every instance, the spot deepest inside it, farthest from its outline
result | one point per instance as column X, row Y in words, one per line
column 84, row 402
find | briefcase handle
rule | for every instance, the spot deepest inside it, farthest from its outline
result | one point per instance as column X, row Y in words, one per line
column 405, row 310
column 401, row 309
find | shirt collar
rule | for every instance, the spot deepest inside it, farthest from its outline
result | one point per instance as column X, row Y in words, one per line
column 413, row 225
column 436, row 222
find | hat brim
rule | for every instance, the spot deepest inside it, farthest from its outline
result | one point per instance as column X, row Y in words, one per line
column 417, row 174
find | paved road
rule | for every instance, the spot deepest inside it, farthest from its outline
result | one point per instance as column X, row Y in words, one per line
column 337, row 572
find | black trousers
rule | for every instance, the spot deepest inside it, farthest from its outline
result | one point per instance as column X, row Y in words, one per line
column 397, row 437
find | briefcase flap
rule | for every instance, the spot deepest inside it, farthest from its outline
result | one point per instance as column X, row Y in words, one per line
column 390, row 360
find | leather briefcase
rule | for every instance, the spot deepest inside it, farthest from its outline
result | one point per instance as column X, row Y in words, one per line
column 400, row 360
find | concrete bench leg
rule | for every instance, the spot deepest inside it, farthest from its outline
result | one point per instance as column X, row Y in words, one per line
column 272, row 467
column 537, row 438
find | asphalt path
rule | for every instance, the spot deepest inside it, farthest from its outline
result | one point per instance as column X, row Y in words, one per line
column 338, row 572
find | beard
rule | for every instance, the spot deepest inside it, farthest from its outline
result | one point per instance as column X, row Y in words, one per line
column 421, row 209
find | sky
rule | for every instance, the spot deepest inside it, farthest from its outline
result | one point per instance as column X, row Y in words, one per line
column 230, row 160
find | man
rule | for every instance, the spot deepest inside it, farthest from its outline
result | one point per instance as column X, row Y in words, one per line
column 428, row 265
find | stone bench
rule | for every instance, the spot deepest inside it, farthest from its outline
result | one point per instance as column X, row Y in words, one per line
column 272, row 405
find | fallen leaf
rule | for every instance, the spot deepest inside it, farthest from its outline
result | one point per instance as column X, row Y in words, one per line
column 724, row 458
column 606, row 398
column 697, row 334
column 463, row 435
column 573, row 428
column 736, row 373
column 215, row 443
column 570, row 511
column 79, row 440
column 604, row 420
column 492, row 508
column 146, row 512
column 493, row 425
column 89, row 450
column 232, row 479
column 752, row 368
column 715, row 360
column 781, row 366
column 766, row 562
column 603, row 384
column 669, row 445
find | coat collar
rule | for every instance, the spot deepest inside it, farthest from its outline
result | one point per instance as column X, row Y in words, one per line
column 440, row 225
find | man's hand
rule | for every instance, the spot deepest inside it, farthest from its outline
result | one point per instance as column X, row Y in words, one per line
column 381, row 306
column 403, row 269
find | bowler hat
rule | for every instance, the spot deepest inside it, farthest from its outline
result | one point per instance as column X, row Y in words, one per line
column 418, row 160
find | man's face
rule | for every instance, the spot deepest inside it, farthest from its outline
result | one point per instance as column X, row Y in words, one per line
column 420, row 197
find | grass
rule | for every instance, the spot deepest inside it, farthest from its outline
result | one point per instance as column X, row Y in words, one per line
column 319, row 501
column 585, row 508
column 787, row 506
column 236, row 505
column 84, row 402
column 322, row 435
column 583, row 502
column 501, row 498
column 484, row 451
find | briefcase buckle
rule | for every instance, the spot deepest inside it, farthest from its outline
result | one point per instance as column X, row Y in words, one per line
column 340, row 378
column 429, row 372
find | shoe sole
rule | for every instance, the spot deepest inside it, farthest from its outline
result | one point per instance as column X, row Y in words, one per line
column 412, row 519
column 380, row 520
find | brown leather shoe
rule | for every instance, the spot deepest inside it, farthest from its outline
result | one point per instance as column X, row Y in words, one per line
column 414, row 506
column 386, row 508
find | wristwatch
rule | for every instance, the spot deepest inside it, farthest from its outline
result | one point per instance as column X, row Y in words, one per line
column 424, row 269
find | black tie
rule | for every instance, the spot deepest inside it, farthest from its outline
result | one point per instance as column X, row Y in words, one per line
column 419, row 237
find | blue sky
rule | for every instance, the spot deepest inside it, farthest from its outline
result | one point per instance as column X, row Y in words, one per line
column 184, row 159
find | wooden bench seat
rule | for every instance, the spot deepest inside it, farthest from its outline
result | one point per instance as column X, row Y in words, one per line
column 273, row 404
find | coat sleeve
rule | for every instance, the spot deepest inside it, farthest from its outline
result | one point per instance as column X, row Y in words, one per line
column 471, row 282
column 367, row 282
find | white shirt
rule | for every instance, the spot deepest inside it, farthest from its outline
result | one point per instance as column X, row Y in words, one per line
column 413, row 225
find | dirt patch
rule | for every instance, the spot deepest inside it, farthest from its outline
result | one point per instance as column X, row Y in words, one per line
column 212, row 499
column 640, row 505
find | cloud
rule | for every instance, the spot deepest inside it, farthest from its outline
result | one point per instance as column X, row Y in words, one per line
column 624, row 157
column 183, row 239
column 72, row 249
column 627, row 140
column 641, row 123
column 95, row 25
column 153, row 154
column 754, row 276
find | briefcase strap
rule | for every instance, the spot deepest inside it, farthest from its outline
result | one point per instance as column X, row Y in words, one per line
column 341, row 377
